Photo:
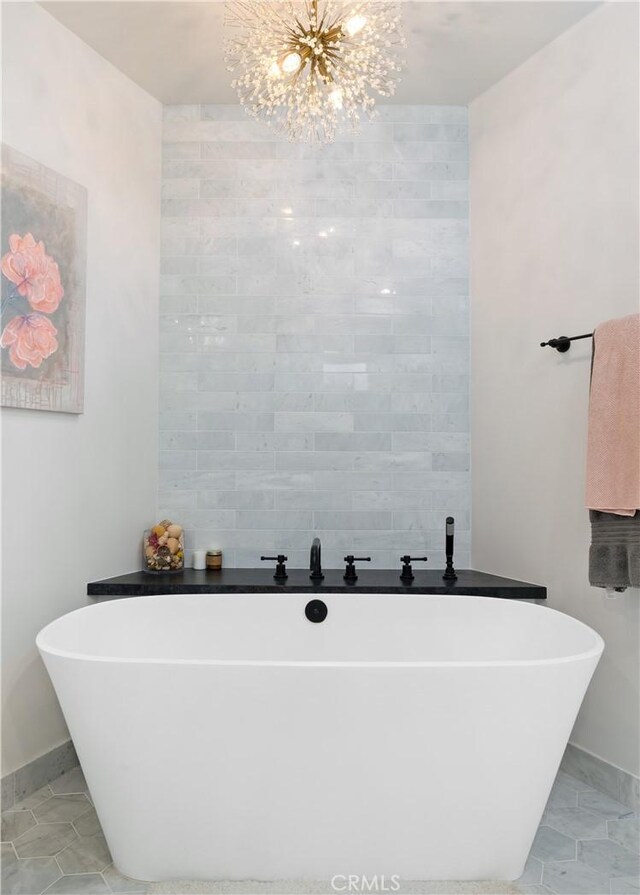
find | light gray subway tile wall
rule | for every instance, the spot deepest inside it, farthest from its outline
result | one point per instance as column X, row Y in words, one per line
column 314, row 336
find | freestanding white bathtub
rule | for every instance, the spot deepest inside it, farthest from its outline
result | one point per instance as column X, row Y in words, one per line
column 228, row 737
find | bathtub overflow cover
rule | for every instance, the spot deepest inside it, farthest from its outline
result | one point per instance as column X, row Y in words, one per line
column 316, row 611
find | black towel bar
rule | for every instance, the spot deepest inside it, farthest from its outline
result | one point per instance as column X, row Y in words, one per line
column 563, row 343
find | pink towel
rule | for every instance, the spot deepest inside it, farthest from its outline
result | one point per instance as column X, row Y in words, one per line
column 613, row 449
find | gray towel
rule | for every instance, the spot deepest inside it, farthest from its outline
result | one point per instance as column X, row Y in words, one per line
column 614, row 555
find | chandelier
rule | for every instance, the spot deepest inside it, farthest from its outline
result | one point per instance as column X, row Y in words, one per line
column 307, row 68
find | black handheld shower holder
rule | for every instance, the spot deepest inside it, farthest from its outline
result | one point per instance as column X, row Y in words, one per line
column 450, row 572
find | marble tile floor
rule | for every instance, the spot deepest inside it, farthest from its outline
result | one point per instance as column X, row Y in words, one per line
column 587, row 844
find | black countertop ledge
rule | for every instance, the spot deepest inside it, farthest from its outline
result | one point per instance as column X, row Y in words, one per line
column 260, row 581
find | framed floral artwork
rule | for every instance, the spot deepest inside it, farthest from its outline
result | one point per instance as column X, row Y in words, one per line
column 43, row 230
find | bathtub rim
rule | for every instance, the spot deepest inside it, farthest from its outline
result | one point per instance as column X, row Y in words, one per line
column 594, row 652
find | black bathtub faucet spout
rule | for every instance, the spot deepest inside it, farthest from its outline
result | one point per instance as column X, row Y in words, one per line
column 315, row 561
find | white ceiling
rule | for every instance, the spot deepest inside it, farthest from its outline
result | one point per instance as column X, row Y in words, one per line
column 174, row 50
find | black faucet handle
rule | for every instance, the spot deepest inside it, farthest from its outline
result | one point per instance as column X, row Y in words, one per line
column 407, row 571
column 281, row 570
column 350, row 572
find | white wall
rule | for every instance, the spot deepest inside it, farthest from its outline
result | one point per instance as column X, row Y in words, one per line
column 554, row 250
column 78, row 490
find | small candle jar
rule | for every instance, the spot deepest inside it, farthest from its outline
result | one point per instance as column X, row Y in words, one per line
column 199, row 559
column 214, row 560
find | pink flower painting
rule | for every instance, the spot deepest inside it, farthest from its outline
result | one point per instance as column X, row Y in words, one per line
column 43, row 260
column 35, row 274
column 30, row 339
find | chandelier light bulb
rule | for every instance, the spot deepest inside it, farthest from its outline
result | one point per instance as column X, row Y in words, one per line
column 354, row 25
column 274, row 70
column 291, row 63
column 335, row 98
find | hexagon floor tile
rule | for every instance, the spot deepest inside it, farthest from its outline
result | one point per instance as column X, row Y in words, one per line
column 577, row 823
column 26, row 877
column 44, row 840
column 71, row 782
column 88, row 824
column 79, row 884
column 574, row 878
column 36, row 798
column 626, row 832
column 15, row 823
column 60, row 808
column 609, row 858
column 550, row 845
column 55, row 845
column 88, row 854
